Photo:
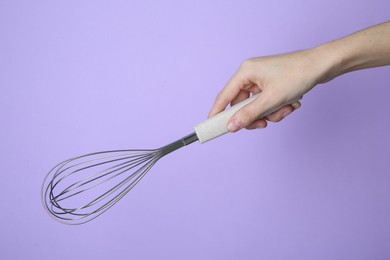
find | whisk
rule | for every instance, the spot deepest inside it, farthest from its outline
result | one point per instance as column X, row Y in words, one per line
column 80, row 189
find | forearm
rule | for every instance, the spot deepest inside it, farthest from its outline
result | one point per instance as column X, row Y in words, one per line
column 364, row 49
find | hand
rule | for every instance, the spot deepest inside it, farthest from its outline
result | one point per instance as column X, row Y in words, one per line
column 280, row 79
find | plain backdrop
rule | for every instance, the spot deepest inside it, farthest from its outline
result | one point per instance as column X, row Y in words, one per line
column 84, row 76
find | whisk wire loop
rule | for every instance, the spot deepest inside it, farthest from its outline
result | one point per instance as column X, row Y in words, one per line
column 82, row 188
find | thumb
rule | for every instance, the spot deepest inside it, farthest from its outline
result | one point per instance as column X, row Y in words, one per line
column 249, row 113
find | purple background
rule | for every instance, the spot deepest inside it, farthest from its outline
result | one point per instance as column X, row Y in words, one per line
column 84, row 76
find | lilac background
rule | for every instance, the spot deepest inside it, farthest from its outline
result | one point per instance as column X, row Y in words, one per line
column 83, row 76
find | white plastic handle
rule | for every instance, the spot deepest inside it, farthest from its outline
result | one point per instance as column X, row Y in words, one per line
column 217, row 125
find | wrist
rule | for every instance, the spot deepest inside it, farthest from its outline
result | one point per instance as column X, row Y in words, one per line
column 364, row 49
column 330, row 61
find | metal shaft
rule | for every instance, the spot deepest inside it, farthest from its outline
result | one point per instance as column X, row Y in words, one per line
column 186, row 140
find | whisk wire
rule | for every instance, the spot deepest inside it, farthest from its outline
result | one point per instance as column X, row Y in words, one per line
column 100, row 176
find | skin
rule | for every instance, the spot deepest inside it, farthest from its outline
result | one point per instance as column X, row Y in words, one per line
column 286, row 77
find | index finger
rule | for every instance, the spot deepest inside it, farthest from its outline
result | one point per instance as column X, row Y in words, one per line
column 226, row 95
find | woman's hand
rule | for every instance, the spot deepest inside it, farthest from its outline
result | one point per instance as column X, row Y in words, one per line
column 283, row 78
column 280, row 79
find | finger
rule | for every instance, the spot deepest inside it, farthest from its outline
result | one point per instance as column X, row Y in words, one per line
column 257, row 124
column 283, row 112
column 228, row 93
column 242, row 95
column 296, row 105
column 225, row 96
column 251, row 112
column 262, row 123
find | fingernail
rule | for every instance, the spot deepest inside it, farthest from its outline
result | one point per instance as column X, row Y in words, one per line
column 234, row 125
column 286, row 114
column 296, row 105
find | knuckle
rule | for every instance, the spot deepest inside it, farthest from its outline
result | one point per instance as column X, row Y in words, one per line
column 247, row 64
column 221, row 99
column 248, row 115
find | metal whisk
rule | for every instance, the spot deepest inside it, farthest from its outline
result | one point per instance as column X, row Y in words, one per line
column 69, row 189
column 80, row 189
